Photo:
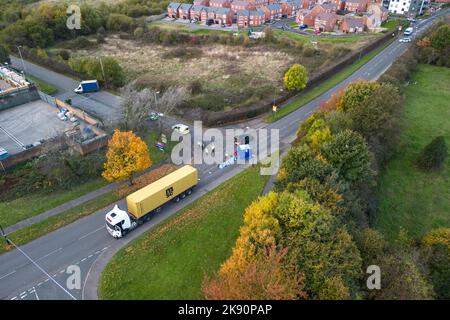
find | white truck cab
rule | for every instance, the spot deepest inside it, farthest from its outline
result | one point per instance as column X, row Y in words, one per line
column 118, row 222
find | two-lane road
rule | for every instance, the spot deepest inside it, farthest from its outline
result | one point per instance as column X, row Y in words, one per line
column 86, row 240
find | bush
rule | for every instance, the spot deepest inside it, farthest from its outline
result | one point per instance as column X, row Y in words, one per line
column 195, row 87
column 433, row 155
column 81, row 43
column 4, row 54
column 119, row 22
column 296, row 78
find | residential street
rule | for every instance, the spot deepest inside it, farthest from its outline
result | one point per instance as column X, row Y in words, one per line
column 85, row 242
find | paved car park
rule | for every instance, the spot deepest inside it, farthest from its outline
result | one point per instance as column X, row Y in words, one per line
column 28, row 124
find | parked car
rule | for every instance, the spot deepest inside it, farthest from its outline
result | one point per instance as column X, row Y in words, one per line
column 303, row 27
column 404, row 40
column 181, row 128
column 155, row 116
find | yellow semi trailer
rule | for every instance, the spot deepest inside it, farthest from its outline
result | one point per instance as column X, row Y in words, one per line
column 143, row 203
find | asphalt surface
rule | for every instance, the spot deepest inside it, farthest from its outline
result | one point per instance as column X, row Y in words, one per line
column 86, row 241
column 102, row 104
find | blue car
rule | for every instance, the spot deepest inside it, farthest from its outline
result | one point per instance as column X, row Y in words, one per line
column 303, row 27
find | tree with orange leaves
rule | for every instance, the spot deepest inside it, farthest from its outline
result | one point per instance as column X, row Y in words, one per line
column 269, row 275
column 127, row 154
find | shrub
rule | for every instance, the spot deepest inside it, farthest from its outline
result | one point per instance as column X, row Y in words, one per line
column 195, row 87
column 4, row 54
column 433, row 155
column 296, row 78
column 119, row 22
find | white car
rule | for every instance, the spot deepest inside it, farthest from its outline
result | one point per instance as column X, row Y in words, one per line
column 404, row 40
column 181, row 128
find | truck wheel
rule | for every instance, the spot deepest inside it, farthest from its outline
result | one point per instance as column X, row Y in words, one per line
column 183, row 195
column 189, row 192
column 177, row 199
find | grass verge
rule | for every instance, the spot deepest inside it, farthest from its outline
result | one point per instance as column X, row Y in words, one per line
column 408, row 197
column 325, row 86
column 43, row 86
column 22, row 208
column 170, row 261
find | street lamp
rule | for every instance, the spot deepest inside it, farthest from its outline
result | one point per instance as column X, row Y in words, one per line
column 103, row 72
column 20, row 53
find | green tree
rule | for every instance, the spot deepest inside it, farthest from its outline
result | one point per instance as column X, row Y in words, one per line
column 4, row 54
column 434, row 154
column 439, row 270
column 119, row 22
column 355, row 94
column 348, row 152
column 300, row 163
column 334, row 289
column 441, row 38
column 296, row 78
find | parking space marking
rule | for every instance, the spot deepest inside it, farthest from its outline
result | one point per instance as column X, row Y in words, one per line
column 8, row 274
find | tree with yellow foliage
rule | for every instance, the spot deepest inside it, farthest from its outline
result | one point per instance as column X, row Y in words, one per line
column 127, row 154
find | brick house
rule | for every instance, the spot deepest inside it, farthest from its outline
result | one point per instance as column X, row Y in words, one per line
column 196, row 12
column 261, row 3
column 356, row 5
column 184, row 11
column 250, row 18
column 238, row 5
column 340, row 4
column 330, row 7
column 220, row 3
column 201, row 3
column 289, row 8
column 304, row 17
column 352, row 25
column 272, row 11
column 308, row 4
column 218, row 15
column 325, row 22
column 172, row 10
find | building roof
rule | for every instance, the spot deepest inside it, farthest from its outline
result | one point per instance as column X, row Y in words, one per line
column 328, row 5
column 240, row 3
column 250, row 13
column 304, row 11
column 354, row 22
column 273, row 6
column 185, row 6
column 356, row 1
column 219, row 10
column 174, row 5
column 197, row 8
column 218, row 1
column 325, row 16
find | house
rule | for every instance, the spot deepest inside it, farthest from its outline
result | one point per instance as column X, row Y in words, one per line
column 261, row 3
column 172, row 10
column 325, row 22
column 380, row 11
column 304, row 17
column 201, row 3
column 330, row 7
column 184, row 11
column 340, row 4
column 352, row 24
column 250, row 18
column 308, row 4
column 272, row 11
column 196, row 12
column 239, row 5
column 217, row 15
column 356, row 5
column 220, row 3
column 289, row 8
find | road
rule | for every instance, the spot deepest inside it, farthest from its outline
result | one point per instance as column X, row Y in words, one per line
column 102, row 104
column 86, row 241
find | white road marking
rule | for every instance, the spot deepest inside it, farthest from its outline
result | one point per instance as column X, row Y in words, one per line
column 50, row 253
column 14, row 298
column 22, row 293
column 39, row 284
column 90, row 256
column 24, row 296
column 35, row 293
column 84, row 259
column 8, row 274
column 88, row 234
column 46, row 280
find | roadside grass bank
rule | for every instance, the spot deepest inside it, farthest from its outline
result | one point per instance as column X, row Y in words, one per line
column 43, row 86
column 14, row 211
column 408, row 197
column 53, row 223
column 337, row 39
column 318, row 90
column 170, row 260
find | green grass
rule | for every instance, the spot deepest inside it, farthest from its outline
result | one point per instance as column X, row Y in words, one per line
column 53, row 223
column 157, row 155
column 408, row 197
column 343, row 39
column 170, row 261
column 316, row 91
column 392, row 24
column 22, row 208
column 43, row 86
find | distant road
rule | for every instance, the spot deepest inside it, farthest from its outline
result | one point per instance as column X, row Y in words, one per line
column 102, row 104
column 86, row 240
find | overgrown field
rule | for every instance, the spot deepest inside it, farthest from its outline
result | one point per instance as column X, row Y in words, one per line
column 410, row 198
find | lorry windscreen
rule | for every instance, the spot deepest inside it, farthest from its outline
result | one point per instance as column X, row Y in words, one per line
column 110, row 225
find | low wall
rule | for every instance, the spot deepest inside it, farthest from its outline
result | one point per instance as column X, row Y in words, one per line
column 238, row 114
column 18, row 97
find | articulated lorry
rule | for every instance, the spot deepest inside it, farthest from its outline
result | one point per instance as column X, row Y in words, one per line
column 144, row 203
